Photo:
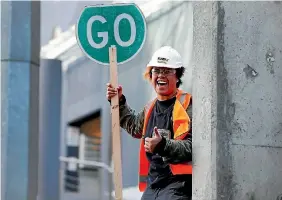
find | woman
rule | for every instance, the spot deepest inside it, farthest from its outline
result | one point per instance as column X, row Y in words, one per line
column 164, row 129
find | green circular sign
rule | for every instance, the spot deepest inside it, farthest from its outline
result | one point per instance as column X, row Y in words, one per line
column 101, row 26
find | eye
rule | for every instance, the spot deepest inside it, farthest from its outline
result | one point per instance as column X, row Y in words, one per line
column 167, row 71
column 156, row 71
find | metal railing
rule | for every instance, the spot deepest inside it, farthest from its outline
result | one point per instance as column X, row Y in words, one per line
column 86, row 162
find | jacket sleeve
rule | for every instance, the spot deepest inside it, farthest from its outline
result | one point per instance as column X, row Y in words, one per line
column 177, row 151
column 131, row 121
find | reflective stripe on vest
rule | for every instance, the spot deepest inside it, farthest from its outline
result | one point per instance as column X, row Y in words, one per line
column 181, row 126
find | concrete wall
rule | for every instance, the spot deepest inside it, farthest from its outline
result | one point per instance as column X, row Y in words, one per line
column 86, row 80
column 238, row 100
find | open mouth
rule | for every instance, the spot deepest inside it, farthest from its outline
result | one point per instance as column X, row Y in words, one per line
column 161, row 83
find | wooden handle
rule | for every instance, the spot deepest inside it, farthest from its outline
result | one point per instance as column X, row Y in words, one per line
column 116, row 141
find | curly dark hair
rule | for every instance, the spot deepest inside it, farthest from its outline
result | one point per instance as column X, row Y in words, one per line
column 179, row 74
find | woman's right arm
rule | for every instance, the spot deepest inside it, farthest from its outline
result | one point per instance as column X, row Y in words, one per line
column 129, row 120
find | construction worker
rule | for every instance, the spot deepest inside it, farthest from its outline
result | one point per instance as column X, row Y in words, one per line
column 164, row 127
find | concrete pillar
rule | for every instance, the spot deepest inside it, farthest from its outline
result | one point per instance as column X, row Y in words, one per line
column 237, row 112
column 50, row 125
column 20, row 47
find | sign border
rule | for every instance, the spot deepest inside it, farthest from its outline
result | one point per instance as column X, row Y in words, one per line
column 112, row 5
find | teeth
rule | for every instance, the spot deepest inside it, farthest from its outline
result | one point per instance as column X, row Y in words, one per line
column 162, row 82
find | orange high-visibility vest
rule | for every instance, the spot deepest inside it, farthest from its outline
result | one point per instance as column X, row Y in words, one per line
column 181, row 126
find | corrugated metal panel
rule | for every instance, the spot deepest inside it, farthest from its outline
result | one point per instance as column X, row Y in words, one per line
column 88, row 78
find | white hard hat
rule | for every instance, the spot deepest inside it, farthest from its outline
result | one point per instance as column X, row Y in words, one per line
column 167, row 57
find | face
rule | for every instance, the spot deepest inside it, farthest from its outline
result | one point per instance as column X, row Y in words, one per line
column 164, row 81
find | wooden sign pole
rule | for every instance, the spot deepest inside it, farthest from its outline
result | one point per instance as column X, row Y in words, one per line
column 116, row 141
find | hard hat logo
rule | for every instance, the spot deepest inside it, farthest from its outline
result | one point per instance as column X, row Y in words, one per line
column 162, row 60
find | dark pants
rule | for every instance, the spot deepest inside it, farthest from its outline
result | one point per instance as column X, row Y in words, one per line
column 173, row 191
